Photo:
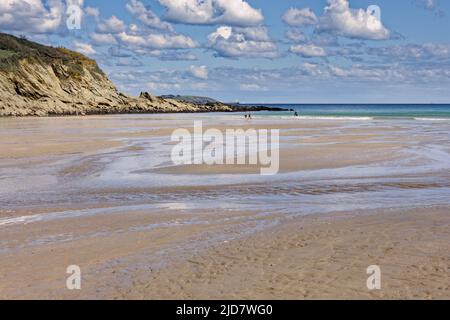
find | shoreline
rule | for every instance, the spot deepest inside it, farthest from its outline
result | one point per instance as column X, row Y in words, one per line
column 268, row 111
column 202, row 111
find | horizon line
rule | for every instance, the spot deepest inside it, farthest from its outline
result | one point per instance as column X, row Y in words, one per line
column 340, row 103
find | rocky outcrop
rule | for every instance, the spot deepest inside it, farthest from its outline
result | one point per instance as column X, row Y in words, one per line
column 37, row 80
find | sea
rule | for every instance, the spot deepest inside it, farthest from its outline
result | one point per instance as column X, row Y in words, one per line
column 364, row 111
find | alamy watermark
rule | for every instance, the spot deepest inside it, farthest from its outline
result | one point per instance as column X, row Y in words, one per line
column 73, row 282
column 74, row 14
column 375, row 11
column 228, row 147
column 374, row 280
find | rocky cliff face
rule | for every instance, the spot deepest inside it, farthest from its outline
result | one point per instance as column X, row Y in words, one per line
column 37, row 80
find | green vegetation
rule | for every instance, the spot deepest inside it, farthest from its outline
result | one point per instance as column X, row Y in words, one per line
column 192, row 99
column 13, row 49
column 8, row 60
column 5, row 54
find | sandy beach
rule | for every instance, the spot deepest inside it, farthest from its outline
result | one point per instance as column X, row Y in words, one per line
column 101, row 193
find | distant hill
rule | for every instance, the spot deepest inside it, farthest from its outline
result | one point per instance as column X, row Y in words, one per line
column 191, row 99
column 209, row 101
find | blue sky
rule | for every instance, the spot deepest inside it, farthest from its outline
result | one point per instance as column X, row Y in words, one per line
column 305, row 51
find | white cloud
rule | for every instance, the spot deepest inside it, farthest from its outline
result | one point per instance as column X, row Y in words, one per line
column 169, row 55
column 75, row 2
column 128, row 62
column 84, row 48
column 413, row 52
column 238, row 12
column 102, row 39
column 370, row 73
column 32, row 16
column 429, row 4
column 200, row 72
column 231, row 12
column 253, row 33
column 252, row 87
column 311, row 67
column 134, row 29
column 170, row 41
column 433, row 6
column 188, row 11
column 131, row 40
column 300, row 17
column 341, row 20
column 339, row 72
column 117, row 52
column 157, row 41
column 111, row 25
column 148, row 37
column 164, row 81
column 146, row 16
column 296, row 35
column 253, row 42
column 162, row 86
column 221, row 33
column 94, row 12
column 308, row 51
column 304, row 79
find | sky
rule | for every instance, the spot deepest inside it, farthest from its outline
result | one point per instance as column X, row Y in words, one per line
column 254, row 51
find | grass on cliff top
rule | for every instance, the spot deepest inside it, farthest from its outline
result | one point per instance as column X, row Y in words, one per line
column 5, row 54
column 13, row 49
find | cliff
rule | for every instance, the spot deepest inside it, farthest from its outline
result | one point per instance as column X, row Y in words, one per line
column 37, row 80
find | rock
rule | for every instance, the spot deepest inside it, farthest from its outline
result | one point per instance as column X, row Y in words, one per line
column 146, row 95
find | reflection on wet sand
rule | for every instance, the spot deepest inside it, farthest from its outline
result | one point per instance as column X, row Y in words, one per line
column 102, row 193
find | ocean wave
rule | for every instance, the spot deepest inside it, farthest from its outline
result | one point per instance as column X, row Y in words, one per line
column 334, row 118
column 315, row 117
column 432, row 119
column 352, row 118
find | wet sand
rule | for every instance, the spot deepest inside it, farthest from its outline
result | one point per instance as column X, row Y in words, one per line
column 312, row 257
column 323, row 257
column 101, row 193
